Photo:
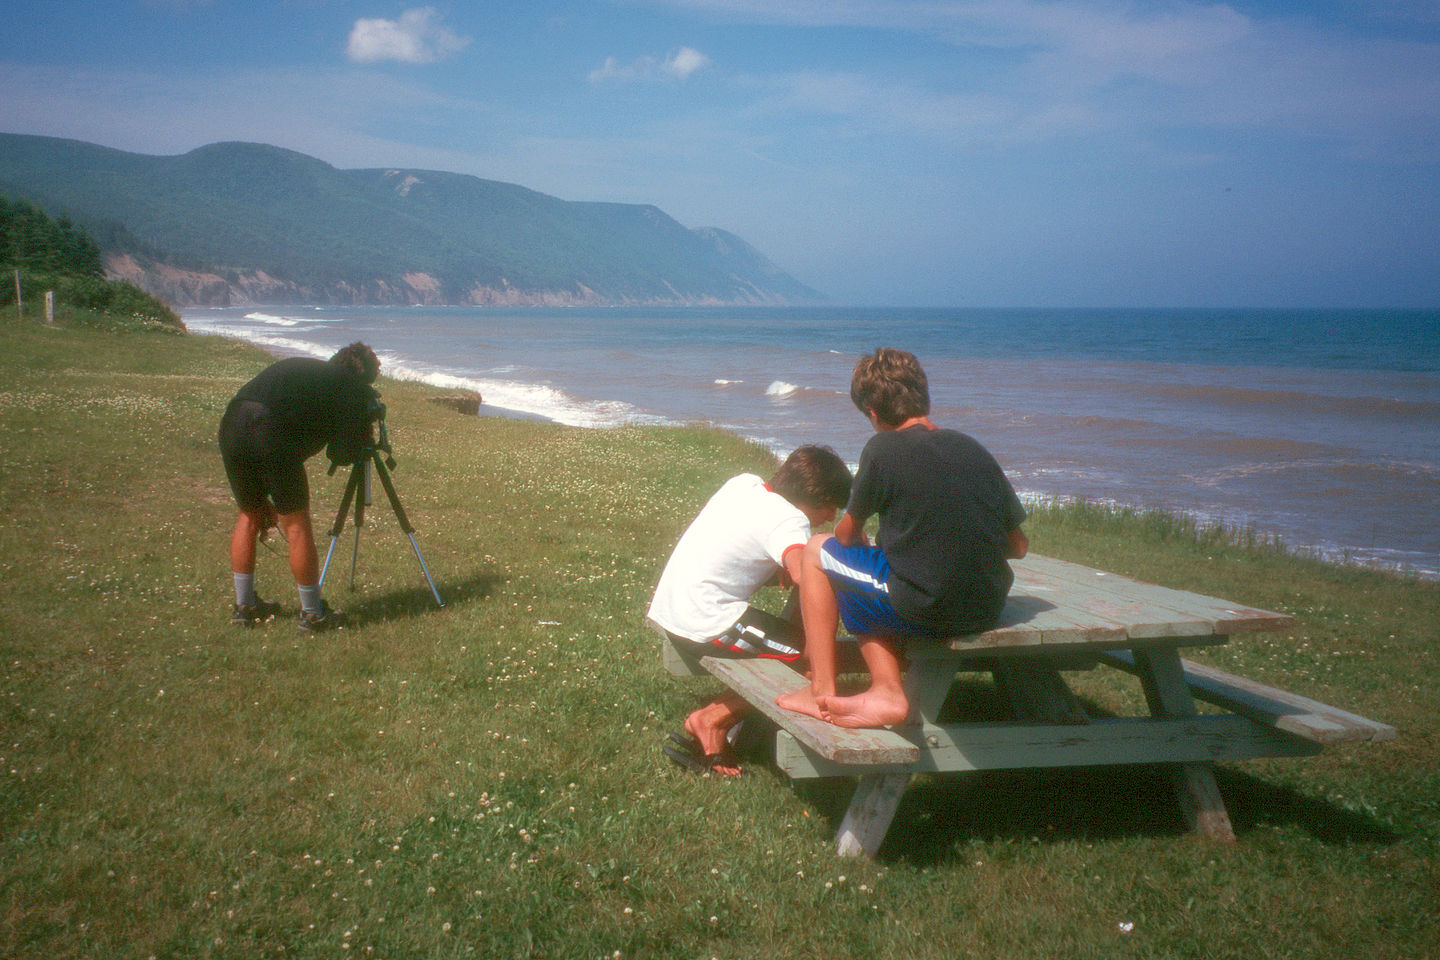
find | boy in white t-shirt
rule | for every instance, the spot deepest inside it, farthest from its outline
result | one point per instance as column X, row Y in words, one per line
column 747, row 535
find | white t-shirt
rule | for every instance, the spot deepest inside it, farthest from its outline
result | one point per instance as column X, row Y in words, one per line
column 732, row 549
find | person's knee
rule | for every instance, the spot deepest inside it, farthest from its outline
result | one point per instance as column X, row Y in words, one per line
column 298, row 532
column 245, row 523
column 250, row 522
column 297, row 521
column 813, row 548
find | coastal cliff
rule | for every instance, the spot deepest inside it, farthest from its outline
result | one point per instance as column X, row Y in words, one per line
column 206, row 288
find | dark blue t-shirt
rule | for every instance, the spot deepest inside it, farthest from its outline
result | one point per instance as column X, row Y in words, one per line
column 317, row 403
column 946, row 511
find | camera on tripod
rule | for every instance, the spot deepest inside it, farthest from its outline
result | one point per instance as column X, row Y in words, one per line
column 375, row 413
column 357, row 491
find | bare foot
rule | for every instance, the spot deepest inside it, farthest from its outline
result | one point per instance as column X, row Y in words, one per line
column 709, row 734
column 709, row 726
column 868, row 709
column 724, row 767
column 800, row 701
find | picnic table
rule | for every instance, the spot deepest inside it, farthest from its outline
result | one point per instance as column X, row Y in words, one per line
column 1060, row 616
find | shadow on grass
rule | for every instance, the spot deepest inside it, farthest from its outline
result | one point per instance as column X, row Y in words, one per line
column 940, row 815
column 1254, row 803
column 411, row 602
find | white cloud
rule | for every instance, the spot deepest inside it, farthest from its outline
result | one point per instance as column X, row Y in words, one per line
column 679, row 65
column 685, row 61
column 417, row 37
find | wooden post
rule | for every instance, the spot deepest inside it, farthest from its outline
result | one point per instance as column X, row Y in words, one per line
column 50, row 306
column 19, row 307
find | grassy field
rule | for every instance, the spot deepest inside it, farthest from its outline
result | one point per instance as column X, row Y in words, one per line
column 485, row 779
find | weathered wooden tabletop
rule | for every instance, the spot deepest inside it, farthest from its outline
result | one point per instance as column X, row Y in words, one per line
column 1055, row 602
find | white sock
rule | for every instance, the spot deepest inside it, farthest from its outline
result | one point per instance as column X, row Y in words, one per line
column 310, row 600
column 245, row 589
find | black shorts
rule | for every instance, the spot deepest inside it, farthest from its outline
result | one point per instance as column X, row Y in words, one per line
column 261, row 460
column 755, row 634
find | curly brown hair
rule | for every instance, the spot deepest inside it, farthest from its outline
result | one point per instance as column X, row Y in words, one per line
column 892, row 383
column 359, row 360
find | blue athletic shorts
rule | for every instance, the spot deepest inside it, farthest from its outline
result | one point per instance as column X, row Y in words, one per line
column 860, row 576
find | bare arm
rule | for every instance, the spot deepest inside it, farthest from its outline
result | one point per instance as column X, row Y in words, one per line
column 790, row 568
column 849, row 531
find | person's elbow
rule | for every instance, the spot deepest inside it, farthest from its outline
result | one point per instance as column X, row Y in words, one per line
column 1018, row 545
column 847, row 531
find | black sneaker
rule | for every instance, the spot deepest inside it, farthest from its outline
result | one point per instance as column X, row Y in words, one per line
column 326, row 619
column 249, row 614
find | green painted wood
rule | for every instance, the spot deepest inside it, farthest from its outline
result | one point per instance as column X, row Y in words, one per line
column 954, row 748
column 928, row 680
column 1286, row 711
column 1054, row 603
column 1058, row 615
column 1148, row 609
column 1136, row 612
column 1163, row 681
column 1034, row 618
column 1037, row 692
column 680, row 662
column 868, row 817
column 761, row 681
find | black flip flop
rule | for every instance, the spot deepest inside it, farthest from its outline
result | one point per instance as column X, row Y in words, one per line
column 688, row 743
column 698, row 763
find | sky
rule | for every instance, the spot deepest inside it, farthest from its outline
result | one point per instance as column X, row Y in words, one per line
column 1088, row 153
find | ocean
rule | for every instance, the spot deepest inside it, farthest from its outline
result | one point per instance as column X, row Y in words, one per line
column 1319, row 427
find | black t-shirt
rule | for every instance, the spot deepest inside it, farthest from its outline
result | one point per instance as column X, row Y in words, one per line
column 946, row 511
column 318, row 403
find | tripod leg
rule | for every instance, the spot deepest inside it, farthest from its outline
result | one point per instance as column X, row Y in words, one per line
column 425, row 570
column 351, row 486
column 362, row 497
column 385, row 482
column 354, row 555
column 326, row 568
column 389, row 486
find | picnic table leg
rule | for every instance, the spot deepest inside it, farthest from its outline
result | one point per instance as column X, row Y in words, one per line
column 1163, row 679
column 927, row 680
column 871, row 809
column 1037, row 692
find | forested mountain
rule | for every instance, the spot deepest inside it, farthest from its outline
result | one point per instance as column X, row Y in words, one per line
column 31, row 241
column 241, row 222
column 56, row 259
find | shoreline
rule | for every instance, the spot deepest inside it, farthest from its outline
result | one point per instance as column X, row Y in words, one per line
column 559, row 408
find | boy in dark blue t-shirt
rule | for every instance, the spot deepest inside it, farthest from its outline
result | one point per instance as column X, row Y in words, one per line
column 949, row 521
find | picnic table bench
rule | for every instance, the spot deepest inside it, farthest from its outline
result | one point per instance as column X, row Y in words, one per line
column 1059, row 616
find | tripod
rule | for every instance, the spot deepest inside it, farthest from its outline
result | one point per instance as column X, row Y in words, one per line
column 360, row 478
